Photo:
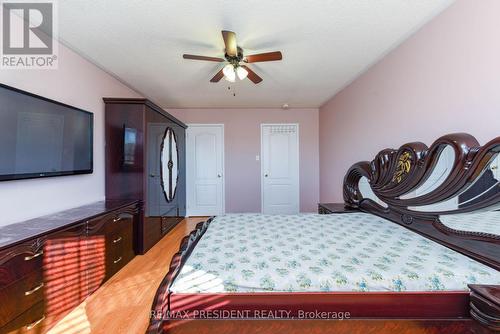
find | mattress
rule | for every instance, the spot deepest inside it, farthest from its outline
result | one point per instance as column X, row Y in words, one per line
column 320, row 253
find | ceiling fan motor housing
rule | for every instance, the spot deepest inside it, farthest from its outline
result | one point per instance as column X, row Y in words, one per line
column 235, row 60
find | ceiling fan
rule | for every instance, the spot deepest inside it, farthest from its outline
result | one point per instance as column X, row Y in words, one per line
column 234, row 57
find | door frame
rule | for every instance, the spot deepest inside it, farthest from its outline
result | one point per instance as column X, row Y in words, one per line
column 262, row 161
column 220, row 125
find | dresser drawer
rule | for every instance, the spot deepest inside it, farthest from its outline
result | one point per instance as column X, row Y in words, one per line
column 119, row 223
column 20, row 296
column 120, row 249
column 109, row 224
column 31, row 321
column 18, row 261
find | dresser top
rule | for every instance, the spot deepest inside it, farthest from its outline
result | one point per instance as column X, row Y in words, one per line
column 18, row 232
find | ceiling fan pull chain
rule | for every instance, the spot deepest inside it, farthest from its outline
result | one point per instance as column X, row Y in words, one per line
column 233, row 90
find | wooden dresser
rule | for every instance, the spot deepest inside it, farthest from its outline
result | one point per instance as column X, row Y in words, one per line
column 49, row 265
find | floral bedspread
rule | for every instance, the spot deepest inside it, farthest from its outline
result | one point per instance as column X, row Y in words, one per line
column 311, row 252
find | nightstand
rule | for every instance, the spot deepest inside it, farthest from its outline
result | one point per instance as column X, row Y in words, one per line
column 329, row 208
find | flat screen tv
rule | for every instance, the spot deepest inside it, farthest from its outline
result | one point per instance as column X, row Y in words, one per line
column 41, row 137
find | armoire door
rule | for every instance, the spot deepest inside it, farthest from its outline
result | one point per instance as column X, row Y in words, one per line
column 181, row 182
column 162, row 167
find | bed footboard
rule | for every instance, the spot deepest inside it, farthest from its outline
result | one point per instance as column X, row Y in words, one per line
column 161, row 302
column 322, row 326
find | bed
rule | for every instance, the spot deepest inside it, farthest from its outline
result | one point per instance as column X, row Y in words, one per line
column 382, row 267
column 321, row 253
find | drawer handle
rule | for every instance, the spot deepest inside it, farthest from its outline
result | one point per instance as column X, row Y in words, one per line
column 118, row 260
column 117, row 240
column 116, row 219
column 35, row 289
column 33, row 324
column 31, row 257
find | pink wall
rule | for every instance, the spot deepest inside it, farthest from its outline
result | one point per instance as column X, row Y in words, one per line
column 79, row 83
column 242, row 144
column 445, row 78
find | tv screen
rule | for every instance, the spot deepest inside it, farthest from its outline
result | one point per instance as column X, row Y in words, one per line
column 40, row 137
column 129, row 144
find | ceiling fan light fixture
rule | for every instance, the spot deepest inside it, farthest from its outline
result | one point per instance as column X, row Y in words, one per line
column 241, row 72
column 229, row 73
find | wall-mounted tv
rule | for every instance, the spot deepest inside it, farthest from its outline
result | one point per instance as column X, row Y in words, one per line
column 40, row 137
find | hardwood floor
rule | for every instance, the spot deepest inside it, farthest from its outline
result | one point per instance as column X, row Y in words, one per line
column 123, row 303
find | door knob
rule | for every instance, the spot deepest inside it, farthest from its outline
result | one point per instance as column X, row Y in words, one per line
column 152, row 175
column 219, row 175
column 266, row 175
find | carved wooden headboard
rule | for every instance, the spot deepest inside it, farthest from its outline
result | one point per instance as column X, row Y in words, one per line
column 394, row 174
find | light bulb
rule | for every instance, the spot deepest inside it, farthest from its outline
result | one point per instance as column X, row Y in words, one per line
column 242, row 73
column 229, row 74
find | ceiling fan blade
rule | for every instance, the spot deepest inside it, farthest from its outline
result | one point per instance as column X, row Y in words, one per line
column 252, row 75
column 268, row 56
column 230, row 42
column 194, row 57
column 219, row 75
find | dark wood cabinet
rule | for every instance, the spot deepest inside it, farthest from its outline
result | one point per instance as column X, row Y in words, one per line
column 150, row 166
column 45, row 276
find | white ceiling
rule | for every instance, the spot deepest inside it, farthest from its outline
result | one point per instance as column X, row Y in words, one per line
column 325, row 44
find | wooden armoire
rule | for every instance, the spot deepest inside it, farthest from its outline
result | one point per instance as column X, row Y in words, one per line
column 146, row 160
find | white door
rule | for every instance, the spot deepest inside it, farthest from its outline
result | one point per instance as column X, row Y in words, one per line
column 205, row 170
column 280, row 168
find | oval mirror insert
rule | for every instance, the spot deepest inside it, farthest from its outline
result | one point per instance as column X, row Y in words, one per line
column 169, row 164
